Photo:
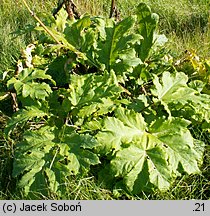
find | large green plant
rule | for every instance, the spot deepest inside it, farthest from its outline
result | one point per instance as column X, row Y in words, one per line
column 96, row 102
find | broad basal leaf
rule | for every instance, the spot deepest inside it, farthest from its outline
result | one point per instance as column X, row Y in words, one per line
column 172, row 88
column 178, row 143
column 80, row 146
column 148, row 155
column 30, row 153
column 115, row 47
column 121, row 130
column 27, row 84
column 142, row 163
column 46, row 157
column 92, row 94
column 173, row 92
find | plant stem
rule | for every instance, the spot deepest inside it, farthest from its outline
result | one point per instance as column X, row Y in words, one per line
column 41, row 23
column 112, row 9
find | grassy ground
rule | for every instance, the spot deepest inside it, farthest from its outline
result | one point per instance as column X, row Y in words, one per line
column 187, row 25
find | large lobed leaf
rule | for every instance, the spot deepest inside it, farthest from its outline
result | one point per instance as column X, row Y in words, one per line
column 116, row 46
column 173, row 92
column 153, row 155
column 121, row 130
column 46, row 157
column 27, row 84
column 91, row 93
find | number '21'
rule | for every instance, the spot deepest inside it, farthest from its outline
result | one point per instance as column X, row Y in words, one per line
column 199, row 207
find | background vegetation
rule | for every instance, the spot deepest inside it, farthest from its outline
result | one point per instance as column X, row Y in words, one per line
column 187, row 25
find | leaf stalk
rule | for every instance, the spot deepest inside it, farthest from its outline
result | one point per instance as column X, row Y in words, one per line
column 41, row 23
